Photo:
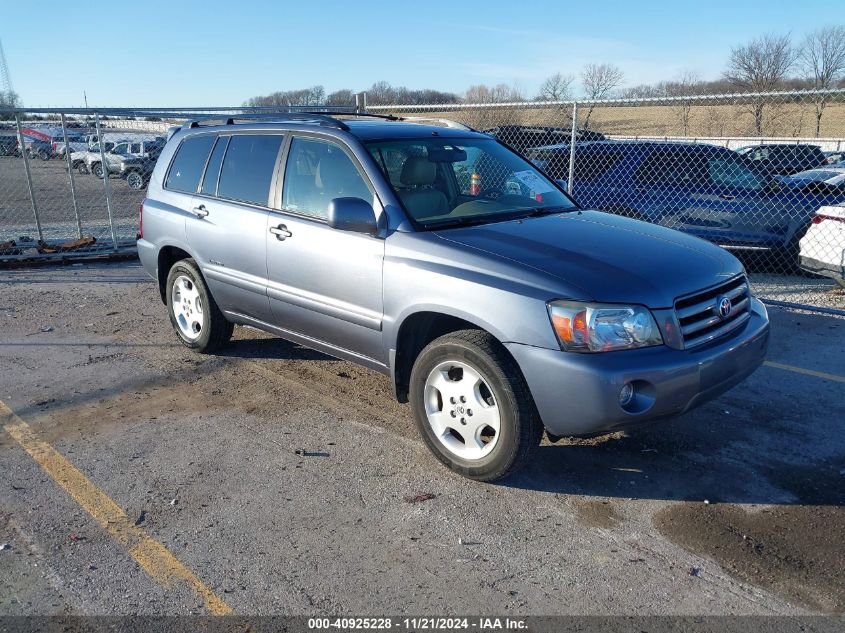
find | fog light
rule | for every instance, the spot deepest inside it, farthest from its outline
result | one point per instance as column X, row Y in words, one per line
column 626, row 395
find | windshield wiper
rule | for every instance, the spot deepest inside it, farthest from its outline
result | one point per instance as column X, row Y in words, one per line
column 540, row 211
column 516, row 214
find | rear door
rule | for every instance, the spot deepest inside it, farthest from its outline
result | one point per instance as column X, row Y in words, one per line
column 324, row 284
column 228, row 221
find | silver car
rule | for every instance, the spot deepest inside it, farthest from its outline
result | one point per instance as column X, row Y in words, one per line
column 436, row 255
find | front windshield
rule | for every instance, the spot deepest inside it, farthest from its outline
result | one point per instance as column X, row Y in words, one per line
column 444, row 182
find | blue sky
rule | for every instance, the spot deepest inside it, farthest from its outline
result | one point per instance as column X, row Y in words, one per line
column 181, row 54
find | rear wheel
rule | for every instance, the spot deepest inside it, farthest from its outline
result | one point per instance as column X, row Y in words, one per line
column 473, row 407
column 97, row 170
column 194, row 314
column 82, row 168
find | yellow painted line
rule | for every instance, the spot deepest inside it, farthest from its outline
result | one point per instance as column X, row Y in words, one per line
column 806, row 372
column 151, row 555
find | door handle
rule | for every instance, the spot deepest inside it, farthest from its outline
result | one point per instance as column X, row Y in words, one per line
column 199, row 211
column 281, row 232
column 727, row 197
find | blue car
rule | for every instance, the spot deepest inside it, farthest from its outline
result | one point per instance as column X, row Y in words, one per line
column 704, row 190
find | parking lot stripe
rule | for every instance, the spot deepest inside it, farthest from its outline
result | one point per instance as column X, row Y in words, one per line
column 806, row 372
column 151, row 555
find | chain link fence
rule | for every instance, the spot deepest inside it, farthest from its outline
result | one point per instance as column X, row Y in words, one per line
column 748, row 172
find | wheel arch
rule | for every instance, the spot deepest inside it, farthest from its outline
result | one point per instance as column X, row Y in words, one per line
column 167, row 256
column 416, row 330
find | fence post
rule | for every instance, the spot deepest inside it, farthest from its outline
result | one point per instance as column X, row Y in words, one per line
column 70, row 175
column 105, row 168
column 364, row 96
column 357, row 102
column 573, row 138
column 28, row 177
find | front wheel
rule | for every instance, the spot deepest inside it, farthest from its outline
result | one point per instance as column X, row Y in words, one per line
column 473, row 407
column 135, row 180
column 194, row 314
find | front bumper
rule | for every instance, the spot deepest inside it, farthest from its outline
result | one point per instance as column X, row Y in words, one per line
column 578, row 394
column 826, row 269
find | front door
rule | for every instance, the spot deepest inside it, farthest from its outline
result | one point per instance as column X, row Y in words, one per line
column 324, row 284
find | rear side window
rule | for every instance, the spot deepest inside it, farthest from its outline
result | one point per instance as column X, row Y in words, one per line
column 186, row 168
column 209, row 182
column 248, row 168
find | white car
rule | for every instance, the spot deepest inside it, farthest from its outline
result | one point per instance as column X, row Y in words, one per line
column 823, row 246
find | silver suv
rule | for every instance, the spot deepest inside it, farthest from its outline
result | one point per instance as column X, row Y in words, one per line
column 441, row 258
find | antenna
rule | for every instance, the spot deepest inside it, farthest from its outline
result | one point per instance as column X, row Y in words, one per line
column 5, row 78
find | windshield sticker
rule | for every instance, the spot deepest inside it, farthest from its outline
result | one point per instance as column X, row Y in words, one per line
column 533, row 181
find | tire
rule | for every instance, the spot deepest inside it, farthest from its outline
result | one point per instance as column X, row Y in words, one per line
column 197, row 321
column 43, row 156
column 135, row 180
column 97, row 170
column 486, row 384
column 82, row 168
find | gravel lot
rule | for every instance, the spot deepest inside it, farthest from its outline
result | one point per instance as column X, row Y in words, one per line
column 290, row 483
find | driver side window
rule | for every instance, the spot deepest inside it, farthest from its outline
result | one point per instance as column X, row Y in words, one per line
column 316, row 173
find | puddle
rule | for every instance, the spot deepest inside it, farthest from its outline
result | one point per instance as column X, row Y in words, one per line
column 795, row 551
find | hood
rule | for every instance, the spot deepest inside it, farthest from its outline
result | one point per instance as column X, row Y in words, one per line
column 606, row 257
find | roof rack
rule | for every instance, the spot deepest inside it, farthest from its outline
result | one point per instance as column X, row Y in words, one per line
column 312, row 117
column 323, row 118
column 446, row 122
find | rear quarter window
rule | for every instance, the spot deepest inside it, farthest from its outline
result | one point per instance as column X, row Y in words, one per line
column 188, row 163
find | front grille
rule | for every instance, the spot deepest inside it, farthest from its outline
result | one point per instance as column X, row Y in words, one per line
column 699, row 314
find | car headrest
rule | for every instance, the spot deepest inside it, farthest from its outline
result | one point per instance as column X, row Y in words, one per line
column 418, row 171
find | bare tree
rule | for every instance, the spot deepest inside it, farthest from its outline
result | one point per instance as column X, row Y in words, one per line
column 556, row 88
column 761, row 65
column 483, row 118
column 599, row 81
column 344, row 96
column 822, row 59
column 687, row 85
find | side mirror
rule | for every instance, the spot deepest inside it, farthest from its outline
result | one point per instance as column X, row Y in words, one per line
column 352, row 214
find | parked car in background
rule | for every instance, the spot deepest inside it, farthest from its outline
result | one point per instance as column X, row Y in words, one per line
column 76, row 143
column 831, row 158
column 136, row 170
column 783, row 158
column 123, row 149
column 8, row 145
column 522, row 137
column 823, row 246
column 37, row 148
column 81, row 161
column 495, row 305
column 829, row 180
column 704, row 190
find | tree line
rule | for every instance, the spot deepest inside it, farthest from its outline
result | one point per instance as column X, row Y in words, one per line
column 767, row 63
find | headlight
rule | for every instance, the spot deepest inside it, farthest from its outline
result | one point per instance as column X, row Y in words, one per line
column 602, row 327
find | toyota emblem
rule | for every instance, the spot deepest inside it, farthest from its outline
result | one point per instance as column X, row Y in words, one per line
column 725, row 307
